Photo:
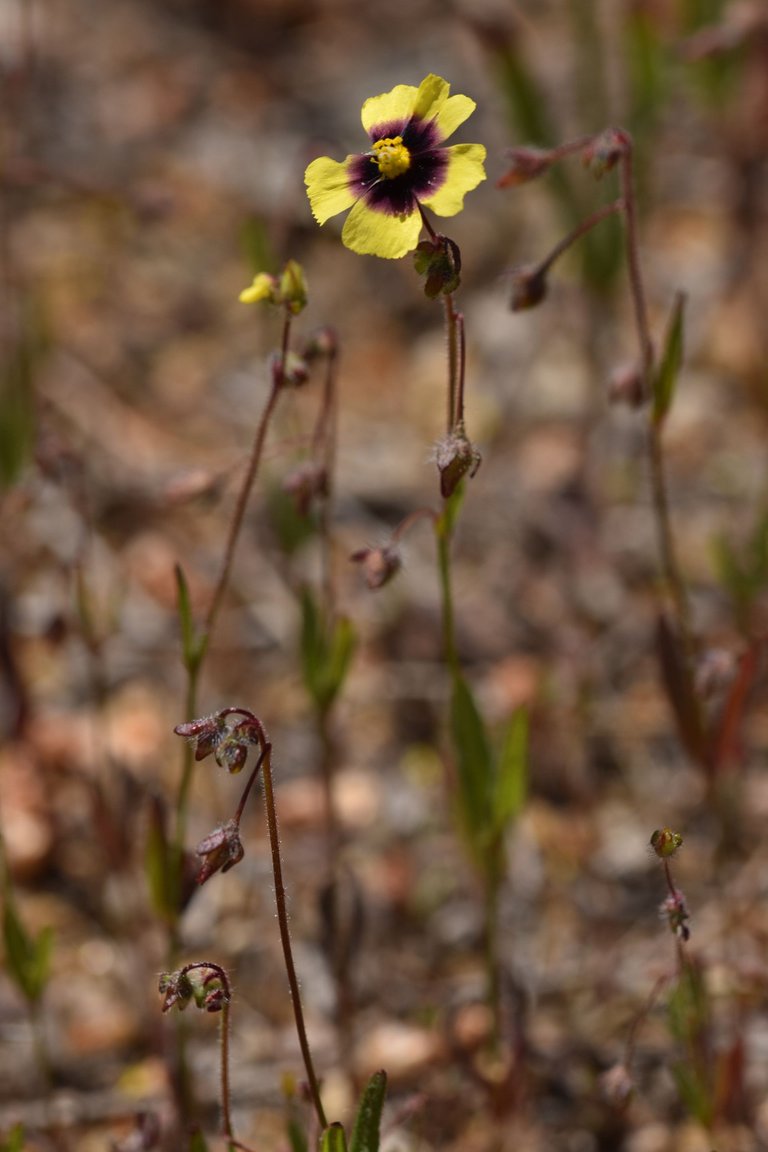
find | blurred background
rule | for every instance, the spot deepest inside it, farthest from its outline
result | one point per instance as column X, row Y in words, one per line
column 151, row 161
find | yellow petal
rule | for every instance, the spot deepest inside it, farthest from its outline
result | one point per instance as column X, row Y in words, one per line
column 465, row 172
column 431, row 96
column 262, row 288
column 375, row 234
column 396, row 105
column 452, row 113
column 328, row 188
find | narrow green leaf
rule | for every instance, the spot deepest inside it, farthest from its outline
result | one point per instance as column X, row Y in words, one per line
column 291, row 528
column 511, row 772
column 342, row 649
column 192, row 644
column 297, row 1137
column 366, row 1133
column 326, row 651
column 197, row 1142
column 27, row 957
column 13, row 1140
column 157, row 861
column 17, row 406
column 310, row 642
column 697, row 1097
column 473, row 756
column 665, row 378
column 333, row 1139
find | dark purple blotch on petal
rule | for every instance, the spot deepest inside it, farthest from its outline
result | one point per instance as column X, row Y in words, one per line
column 397, row 196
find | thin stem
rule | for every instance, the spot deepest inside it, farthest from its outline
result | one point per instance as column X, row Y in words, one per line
column 251, row 781
column 406, row 524
column 453, row 362
column 444, row 536
column 492, row 956
column 461, row 369
column 576, row 234
column 324, row 441
column 633, row 266
column 245, row 491
column 226, row 1115
column 221, row 976
column 665, row 536
column 666, row 542
column 285, row 936
column 668, row 875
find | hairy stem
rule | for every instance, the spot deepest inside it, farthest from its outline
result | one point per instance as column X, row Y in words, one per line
column 285, row 936
column 665, row 536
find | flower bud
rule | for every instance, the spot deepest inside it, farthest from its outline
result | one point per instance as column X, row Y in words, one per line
column 293, row 288
column 288, row 291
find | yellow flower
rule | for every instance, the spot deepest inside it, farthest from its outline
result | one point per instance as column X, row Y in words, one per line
column 406, row 168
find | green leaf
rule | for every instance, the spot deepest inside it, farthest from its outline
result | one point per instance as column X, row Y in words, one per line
column 695, row 1095
column 192, row 645
column 17, row 398
column 297, row 1137
column 333, row 1139
column 366, row 1133
column 511, row 772
column 291, row 528
column 473, row 757
column 27, row 957
column 327, row 648
column 197, row 1142
column 688, row 1009
column 665, row 377
column 13, row 1140
column 157, row 862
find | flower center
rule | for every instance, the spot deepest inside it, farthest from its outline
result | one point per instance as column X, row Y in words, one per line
column 392, row 156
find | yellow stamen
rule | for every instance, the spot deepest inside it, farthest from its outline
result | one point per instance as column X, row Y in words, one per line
column 392, row 156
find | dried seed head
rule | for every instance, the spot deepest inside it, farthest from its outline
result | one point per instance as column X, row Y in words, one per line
column 379, row 565
column 221, row 850
column 617, row 1085
column 456, row 457
column 604, row 151
column 665, row 842
column 529, row 286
